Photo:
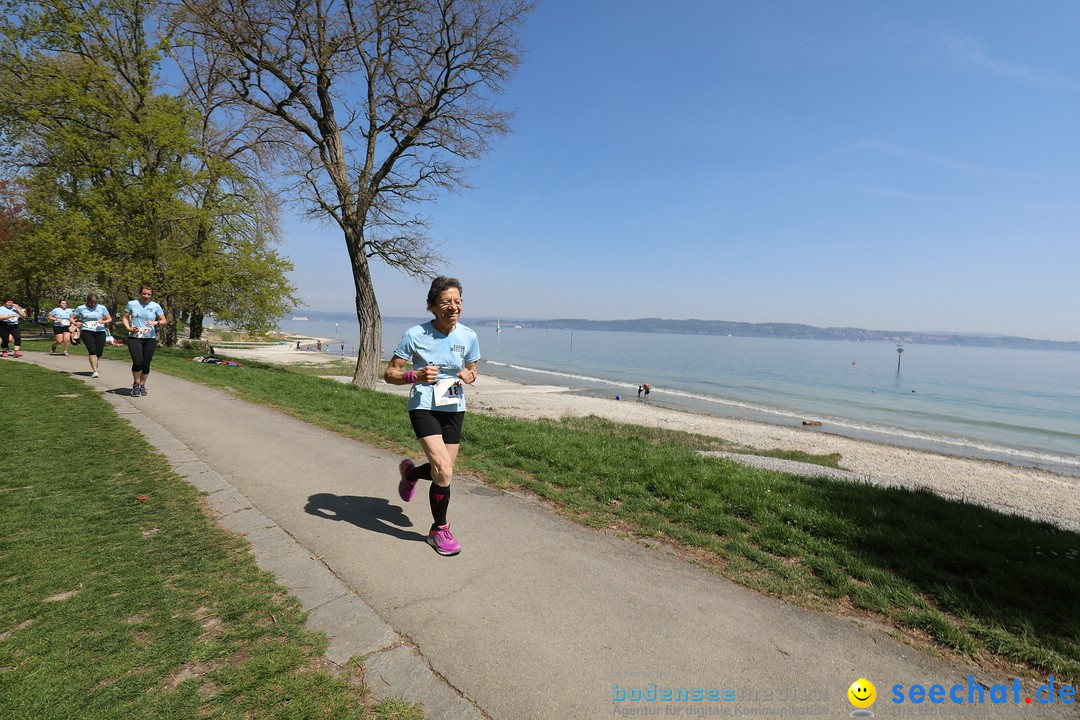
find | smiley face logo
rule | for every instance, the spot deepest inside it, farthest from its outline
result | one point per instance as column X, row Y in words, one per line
column 862, row 693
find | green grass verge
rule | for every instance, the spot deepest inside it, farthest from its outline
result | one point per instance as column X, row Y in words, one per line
column 321, row 369
column 973, row 580
column 119, row 598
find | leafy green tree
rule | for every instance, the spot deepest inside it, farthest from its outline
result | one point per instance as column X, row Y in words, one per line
column 120, row 182
column 11, row 217
column 16, row 278
column 237, row 214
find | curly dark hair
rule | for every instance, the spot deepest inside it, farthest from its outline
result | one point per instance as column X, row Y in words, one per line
column 438, row 286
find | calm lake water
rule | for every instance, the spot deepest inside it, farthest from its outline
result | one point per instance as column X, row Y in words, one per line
column 1019, row 406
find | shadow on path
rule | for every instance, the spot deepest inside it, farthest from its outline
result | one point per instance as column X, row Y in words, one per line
column 374, row 514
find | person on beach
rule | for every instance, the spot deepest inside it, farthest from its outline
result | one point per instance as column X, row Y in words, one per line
column 141, row 318
column 61, row 325
column 647, row 388
column 443, row 354
column 10, row 315
column 91, row 319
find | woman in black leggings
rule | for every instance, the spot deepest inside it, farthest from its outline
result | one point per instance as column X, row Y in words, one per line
column 91, row 319
column 141, row 318
column 10, row 315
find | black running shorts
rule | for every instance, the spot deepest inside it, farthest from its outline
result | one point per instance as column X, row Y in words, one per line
column 430, row 422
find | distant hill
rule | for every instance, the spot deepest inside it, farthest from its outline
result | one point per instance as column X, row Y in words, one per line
column 745, row 329
column 791, row 330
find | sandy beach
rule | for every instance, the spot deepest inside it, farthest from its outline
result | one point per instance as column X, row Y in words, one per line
column 284, row 353
column 1024, row 491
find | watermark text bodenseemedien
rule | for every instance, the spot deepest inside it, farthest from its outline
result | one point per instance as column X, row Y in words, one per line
column 655, row 692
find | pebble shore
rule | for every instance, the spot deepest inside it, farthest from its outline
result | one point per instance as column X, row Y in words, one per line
column 1030, row 492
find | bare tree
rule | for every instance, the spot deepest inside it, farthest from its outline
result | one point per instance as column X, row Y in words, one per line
column 381, row 104
column 236, row 213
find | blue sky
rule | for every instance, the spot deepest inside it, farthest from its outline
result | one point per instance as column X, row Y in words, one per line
column 906, row 165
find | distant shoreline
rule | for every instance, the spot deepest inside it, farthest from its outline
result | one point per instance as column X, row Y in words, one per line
column 790, row 331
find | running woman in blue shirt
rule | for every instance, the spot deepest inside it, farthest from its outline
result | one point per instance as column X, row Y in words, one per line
column 443, row 354
column 141, row 318
column 10, row 315
column 91, row 319
column 61, row 320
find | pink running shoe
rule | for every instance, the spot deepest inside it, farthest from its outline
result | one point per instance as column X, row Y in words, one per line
column 405, row 488
column 17, row 354
column 443, row 542
column 3, row 354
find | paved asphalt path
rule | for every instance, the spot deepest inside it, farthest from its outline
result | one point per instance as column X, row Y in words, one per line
column 537, row 618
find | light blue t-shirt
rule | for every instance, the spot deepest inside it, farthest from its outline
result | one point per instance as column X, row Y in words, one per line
column 93, row 318
column 61, row 316
column 423, row 345
column 9, row 315
column 141, row 314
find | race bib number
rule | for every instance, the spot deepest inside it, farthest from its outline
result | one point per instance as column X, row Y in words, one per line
column 91, row 324
column 448, row 392
column 142, row 332
column 65, row 323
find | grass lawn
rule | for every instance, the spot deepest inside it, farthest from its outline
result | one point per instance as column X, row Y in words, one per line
column 1000, row 589
column 120, row 598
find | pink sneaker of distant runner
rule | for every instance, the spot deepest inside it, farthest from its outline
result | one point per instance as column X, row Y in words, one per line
column 405, row 488
column 443, row 542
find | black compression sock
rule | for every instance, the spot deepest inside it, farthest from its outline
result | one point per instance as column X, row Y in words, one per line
column 439, row 497
column 419, row 472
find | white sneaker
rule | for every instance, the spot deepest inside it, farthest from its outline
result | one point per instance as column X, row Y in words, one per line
column 95, row 374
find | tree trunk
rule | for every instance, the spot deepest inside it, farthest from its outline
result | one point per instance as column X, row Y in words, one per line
column 195, row 325
column 367, row 313
column 168, row 338
column 116, row 312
